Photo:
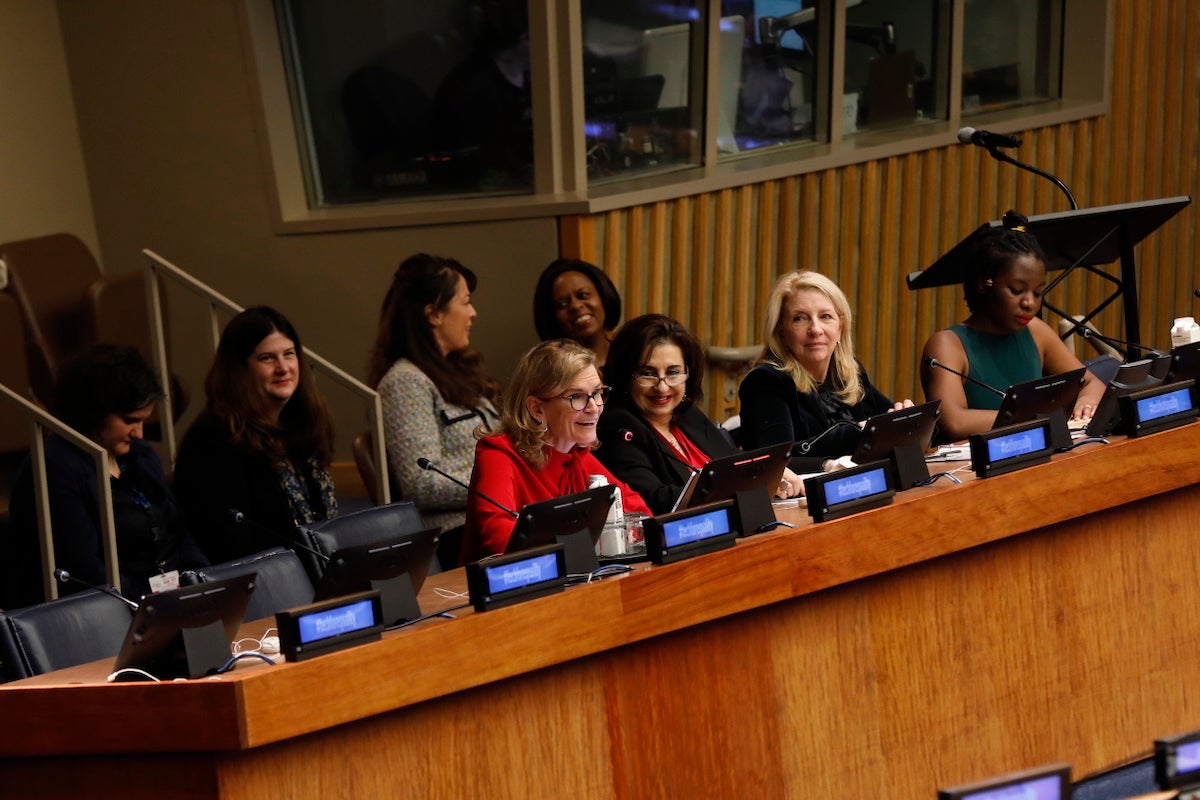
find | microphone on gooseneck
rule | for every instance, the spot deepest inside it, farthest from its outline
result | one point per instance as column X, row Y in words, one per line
column 241, row 519
column 930, row 361
column 62, row 576
column 987, row 138
column 803, row 448
column 425, row 463
column 1088, row 332
column 993, row 142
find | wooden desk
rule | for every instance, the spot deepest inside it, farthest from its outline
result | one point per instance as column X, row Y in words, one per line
column 964, row 631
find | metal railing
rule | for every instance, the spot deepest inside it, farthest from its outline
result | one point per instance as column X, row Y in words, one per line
column 156, row 267
column 40, row 421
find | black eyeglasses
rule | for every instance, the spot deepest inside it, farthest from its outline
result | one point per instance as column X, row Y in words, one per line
column 579, row 400
column 649, row 378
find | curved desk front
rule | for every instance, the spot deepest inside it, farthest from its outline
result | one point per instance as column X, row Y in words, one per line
column 1039, row 616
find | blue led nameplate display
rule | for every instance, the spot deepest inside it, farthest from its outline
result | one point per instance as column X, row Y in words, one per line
column 1011, row 448
column 1177, row 761
column 1017, row 444
column 694, row 529
column 692, row 532
column 1163, row 405
column 330, row 625
column 1158, row 408
column 849, row 491
column 1044, row 783
column 337, row 621
column 523, row 575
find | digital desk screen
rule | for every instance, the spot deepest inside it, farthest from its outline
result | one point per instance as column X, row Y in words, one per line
column 1044, row 783
column 696, row 528
column 1046, row 788
column 1017, row 444
column 1164, row 405
column 519, row 574
column 865, row 484
column 337, row 621
column 1187, row 757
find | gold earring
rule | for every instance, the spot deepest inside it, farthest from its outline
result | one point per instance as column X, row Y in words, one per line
column 988, row 282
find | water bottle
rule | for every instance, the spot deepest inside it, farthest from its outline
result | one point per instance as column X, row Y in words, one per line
column 612, row 539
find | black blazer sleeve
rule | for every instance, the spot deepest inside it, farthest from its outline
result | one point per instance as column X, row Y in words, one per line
column 773, row 411
column 216, row 477
column 631, row 450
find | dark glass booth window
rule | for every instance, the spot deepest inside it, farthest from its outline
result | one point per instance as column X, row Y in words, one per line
column 409, row 98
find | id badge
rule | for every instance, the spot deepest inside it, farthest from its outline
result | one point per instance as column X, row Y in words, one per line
column 164, row 582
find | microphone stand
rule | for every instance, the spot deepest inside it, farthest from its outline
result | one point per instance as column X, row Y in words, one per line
column 999, row 155
column 426, row 464
column 62, row 576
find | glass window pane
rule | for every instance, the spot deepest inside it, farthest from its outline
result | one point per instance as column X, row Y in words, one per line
column 891, row 64
column 410, row 98
column 767, row 73
column 1007, row 54
column 643, row 85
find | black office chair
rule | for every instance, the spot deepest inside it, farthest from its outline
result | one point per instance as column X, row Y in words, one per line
column 360, row 527
column 76, row 629
column 282, row 581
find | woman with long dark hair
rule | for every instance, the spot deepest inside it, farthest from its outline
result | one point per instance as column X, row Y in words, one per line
column 432, row 386
column 255, row 463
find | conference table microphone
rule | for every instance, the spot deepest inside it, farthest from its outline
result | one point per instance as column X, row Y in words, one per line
column 241, row 519
column 803, row 448
column 987, row 138
column 930, row 361
column 62, row 576
column 993, row 142
column 425, row 463
column 1088, row 332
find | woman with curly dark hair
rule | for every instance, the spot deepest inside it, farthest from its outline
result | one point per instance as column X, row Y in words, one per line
column 255, row 464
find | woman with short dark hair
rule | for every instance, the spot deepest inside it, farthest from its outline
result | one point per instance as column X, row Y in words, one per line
column 255, row 463
column 652, row 434
column 577, row 300
column 106, row 393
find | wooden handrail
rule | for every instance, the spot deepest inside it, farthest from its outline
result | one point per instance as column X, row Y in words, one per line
column 158, row 266
column 40, row 421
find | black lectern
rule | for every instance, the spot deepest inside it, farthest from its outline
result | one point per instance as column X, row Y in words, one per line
column 1075, row 239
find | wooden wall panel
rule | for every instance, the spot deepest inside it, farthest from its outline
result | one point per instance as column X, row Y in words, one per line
column 869, row 225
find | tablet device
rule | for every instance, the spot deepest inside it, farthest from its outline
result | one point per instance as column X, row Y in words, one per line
column 1051, row 396
column 185, row 632
column 883, row 433
column 542, row 523
column 1029, row 400
column 396, row 567
column 1185, row 362
column 352, row 569
column 722, row 478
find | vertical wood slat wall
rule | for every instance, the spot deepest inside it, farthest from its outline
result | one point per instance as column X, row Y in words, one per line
column 710, row 260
